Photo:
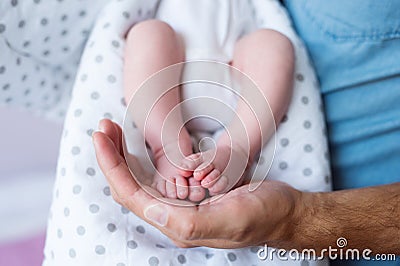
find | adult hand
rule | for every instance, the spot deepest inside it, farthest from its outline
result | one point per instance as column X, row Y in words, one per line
column 274, row 213
column 238, row 219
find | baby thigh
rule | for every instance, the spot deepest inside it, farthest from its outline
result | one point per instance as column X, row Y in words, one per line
column 151, row 45
column 267, row 57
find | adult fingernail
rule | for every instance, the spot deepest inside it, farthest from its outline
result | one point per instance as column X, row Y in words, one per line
column 157, row 214
column 101, row 126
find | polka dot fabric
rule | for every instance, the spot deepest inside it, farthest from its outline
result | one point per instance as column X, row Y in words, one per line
column 87, row 227
column 41, row 43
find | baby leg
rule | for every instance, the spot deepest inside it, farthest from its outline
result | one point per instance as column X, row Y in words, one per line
column 267, row 57
column 151, row 46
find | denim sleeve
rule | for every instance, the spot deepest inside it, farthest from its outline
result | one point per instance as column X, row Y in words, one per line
column 355, row 47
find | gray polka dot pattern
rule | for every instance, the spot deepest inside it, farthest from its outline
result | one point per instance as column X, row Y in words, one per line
column 72, row 253
column 231, row 256
column 108, row 115
column 305, row 100
column 80, row 230
column 77, row 112
column 83, row 77
column 75, row 150
column 153, row 261
column 181, row 259
column 308, row 148
column 63, row 171
column 284, row 142
column 111, row 227
column 307, row 171
column 124, row 210
column 45, row 44
column 283, row 165
column 209, row 255
column 59, row 233
column 95, row 95
column 327, row 179
column 254, row 249
column 131, row 244
column 123, row 102
column 100, row 250
column 77, row 189
column 300, row 77
column 115, row 43
column 98, row 59
column 307, row 124
column 90, row 171
column 107, row 191
column 94, row 208
column 140, row 229
column 91, row 223
column 111, row 78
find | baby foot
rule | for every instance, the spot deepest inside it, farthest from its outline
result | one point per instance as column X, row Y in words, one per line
column 166, row 178
column 172, row 181
column 218, row 169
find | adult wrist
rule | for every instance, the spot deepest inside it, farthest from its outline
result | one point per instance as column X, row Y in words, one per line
column 285, row 234
column 313, row 223
column 300, row 214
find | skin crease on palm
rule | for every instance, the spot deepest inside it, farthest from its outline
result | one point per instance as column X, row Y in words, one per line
column 275, row 213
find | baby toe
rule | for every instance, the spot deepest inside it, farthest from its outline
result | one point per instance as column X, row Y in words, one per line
column 202, row 170
column 211, row 178
column 182, row 189
column 220, row 186
column 196, row 192
column 170, row 188
column 190, row 163
column 160, row 186
column 183, row 172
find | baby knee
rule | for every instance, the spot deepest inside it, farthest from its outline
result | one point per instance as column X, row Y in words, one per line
column 270, row 34
column 268, row 38
column 150, row 29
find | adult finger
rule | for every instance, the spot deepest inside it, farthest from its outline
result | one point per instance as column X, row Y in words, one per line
column 113, row 131
column 113, row 166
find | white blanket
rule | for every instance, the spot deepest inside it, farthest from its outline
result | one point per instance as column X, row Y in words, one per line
column 41, row 43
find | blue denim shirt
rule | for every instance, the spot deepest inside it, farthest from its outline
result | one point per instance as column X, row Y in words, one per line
column 355, row 47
